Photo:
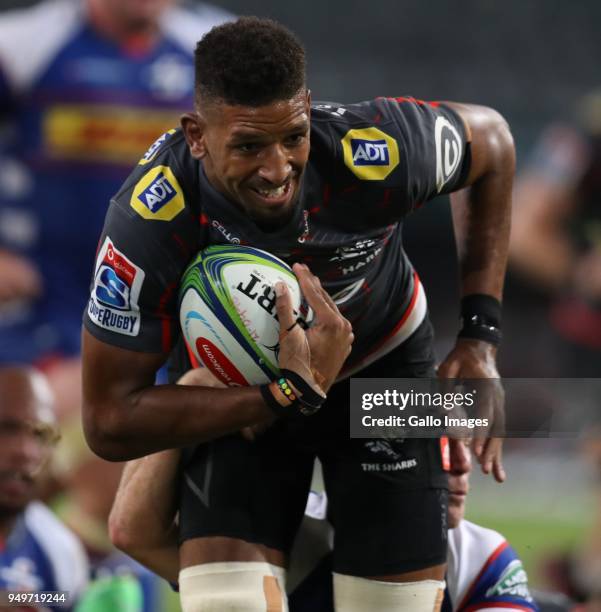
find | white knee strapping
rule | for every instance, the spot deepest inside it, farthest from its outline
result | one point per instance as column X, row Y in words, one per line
column 353, row 594
column 233, row 587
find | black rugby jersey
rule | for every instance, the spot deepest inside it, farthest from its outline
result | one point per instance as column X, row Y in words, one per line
column 370, row 164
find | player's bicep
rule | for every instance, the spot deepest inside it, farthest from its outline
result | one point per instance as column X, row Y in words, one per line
column 112, row 373
column 491, row 147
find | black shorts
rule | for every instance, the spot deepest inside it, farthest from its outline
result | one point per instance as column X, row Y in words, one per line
column 387, row 519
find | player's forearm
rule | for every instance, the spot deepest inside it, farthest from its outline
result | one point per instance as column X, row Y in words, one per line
column 170, row 416
column 486, row 204
column 125, row 416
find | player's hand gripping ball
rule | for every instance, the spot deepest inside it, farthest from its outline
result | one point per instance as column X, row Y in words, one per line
column 228, row 312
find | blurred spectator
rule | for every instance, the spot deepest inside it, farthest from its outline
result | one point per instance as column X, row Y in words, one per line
column 85, row 86
column 556, row 237
column 556, row 250
column 38, row 553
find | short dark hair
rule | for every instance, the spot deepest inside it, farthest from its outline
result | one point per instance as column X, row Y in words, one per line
column 249, row 62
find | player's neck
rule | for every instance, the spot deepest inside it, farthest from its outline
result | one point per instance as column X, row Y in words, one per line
column 136, row 35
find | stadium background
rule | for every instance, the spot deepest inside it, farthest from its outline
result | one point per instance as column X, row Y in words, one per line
column 530, row 59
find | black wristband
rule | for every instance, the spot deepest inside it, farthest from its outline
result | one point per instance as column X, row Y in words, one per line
column 305, row 402
column 309, row 400
column 481, row 318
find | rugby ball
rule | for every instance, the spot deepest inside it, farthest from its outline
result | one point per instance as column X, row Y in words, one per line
column 228, row 312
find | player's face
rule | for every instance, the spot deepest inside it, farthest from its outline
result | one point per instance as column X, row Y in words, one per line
column 27, row 436
column 459, row 483
column 256, row 156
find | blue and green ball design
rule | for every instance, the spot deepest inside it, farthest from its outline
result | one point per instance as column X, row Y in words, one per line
column 205, row 276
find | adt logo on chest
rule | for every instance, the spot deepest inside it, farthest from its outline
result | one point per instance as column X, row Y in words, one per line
column 158, row 196
column 370, row 153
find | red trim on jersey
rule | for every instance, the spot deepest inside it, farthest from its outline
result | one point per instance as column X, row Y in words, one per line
column 166, row 336
column 204, row 220
column 500, row 548
column 386, row 200
column 379, row 345
column 327, row 193
column 411, row 99
column 183, row 247
column 195, row 363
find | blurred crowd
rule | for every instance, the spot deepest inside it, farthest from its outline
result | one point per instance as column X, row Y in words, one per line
column 85, row 87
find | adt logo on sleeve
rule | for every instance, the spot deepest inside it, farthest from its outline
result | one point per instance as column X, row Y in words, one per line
column 370, row 153
column 113, row 304
column 154, row 147
column 158, row 196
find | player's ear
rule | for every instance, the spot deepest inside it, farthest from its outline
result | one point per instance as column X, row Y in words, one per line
column 308, row 99
column 193, row 127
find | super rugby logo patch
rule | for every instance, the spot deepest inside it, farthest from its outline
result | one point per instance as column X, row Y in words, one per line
column 370, row 154
column 113, row 304
column 158, row 196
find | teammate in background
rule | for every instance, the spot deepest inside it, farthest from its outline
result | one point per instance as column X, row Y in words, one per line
column 556, row 248
column 333, row 197
column 38, row 553
column 85, row 85
column 483, row 570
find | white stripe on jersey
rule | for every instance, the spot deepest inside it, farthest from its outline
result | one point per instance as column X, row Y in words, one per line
column 413, row 321
column 470, row 546
column 30, row 39
column 61, row 546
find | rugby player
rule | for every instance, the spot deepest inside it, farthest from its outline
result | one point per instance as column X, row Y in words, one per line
column 325, row 185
